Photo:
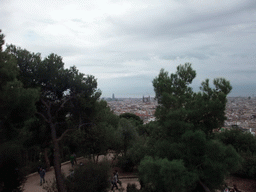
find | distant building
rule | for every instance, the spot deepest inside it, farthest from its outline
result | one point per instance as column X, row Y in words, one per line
column 252, row 125
column 113, row 96
column 146, row 99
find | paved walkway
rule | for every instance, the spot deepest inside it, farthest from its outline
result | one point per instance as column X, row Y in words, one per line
column 33, row 180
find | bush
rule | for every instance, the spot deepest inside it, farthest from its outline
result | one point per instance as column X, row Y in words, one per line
column 248, row 168
column 89, row 177
column 131, row 187
column 125, row 163
column 162, row 175
column 245, row 145
column 32, row 167
column 11, row 177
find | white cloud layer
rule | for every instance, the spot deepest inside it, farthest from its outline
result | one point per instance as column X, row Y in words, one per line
column 124, row 44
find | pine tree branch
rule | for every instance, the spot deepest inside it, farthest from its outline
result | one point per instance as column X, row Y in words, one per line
column 45, row 119
column 64, row 134
column 62, row 105
column 45, row 103
column 68, row 130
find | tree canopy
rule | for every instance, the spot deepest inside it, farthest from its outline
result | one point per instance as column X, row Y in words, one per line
column 61, row 90
column 180, row 108
column 45, row 105
column 17, row 105
column 182, row 136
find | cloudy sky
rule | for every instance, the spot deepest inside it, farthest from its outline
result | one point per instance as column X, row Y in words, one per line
column 124, row 44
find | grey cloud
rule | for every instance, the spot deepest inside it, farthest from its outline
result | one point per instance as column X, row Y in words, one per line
column 77, row 20
column 243, row 90
column 218, row 40
column 127, row 86
column 157, row 23
column 199, row 56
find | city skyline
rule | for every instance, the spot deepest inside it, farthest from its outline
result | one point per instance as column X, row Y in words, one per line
column 124, row 44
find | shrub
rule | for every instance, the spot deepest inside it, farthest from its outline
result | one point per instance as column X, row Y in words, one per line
column 11, row 176
column 245, row 145
column 125, row 163
column 89, row 177
column 248, row 168
column 162, row 175
column 131, row 187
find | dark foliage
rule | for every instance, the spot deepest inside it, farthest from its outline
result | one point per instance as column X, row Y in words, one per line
column 130, row 116
column 126, row 163
column 245, row 145
column 89, row 177
column 131, row 187
column 11, row 175
column 181, row 151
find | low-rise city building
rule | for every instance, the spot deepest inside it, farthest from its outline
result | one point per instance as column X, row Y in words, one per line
column 240, row 111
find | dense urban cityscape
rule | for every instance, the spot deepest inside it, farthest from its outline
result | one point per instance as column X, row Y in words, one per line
column 240, row 111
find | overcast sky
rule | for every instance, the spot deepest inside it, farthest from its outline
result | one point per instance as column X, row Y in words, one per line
column 124, row 44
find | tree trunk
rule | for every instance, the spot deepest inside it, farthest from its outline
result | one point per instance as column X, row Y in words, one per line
column 97, row 159
column 61, row 152
column 93, row 157
column 56, row 160
column 47, row 161
column 27, row 157
column 206, row 189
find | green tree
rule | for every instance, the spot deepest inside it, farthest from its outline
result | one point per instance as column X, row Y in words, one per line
column 181, row 109
column 183, row 132
column 210, row 159
column 36, row 136
column 54, row 99
column 138, row 150
column 60, row 90
column 163, row 175
column 97, row 137
column 126, row 134
column 28, row 64
column 130, row 116
column 245, row 145
column 17, row 103
column 243, row 142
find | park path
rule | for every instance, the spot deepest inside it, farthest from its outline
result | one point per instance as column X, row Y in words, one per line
column 33, row 180
column 32, row 183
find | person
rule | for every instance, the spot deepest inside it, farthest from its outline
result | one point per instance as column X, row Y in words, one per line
column 235, row 188
column 73, row 159
column 38, row 169
column 42, row 174
column 226, row 189
column 118, row 181
column 114, row 181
